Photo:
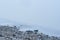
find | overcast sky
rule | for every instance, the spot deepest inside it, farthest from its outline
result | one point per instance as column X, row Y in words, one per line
column 45, row 13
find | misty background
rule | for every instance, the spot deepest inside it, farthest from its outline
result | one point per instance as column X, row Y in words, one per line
column 43, row 14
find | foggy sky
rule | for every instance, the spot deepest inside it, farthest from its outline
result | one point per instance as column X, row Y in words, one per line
column 45, row 13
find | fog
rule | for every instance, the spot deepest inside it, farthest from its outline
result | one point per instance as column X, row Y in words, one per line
column 42, row 13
